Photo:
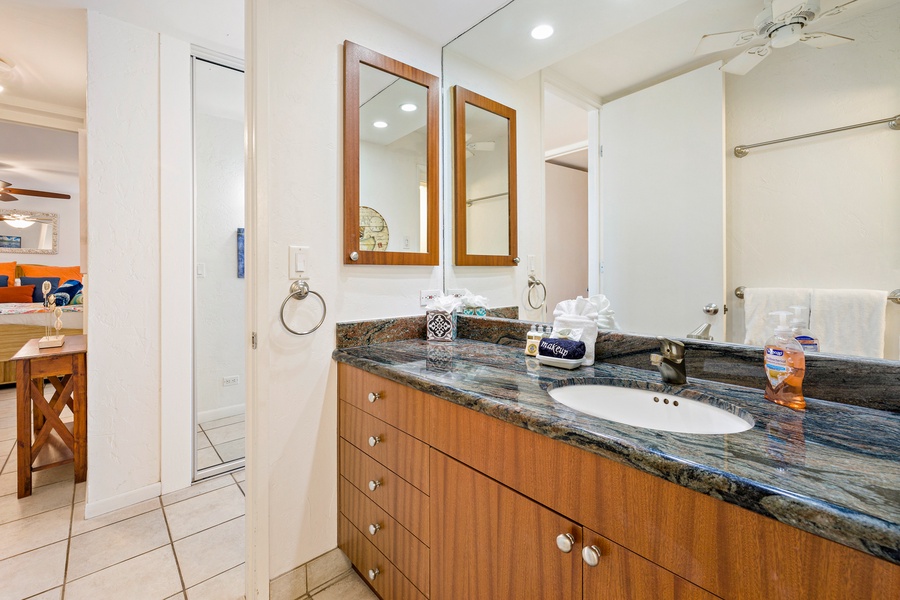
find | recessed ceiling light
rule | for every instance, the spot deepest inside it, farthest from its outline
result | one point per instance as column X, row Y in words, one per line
column 542, row 32
column 408, row 107
column 379, row 124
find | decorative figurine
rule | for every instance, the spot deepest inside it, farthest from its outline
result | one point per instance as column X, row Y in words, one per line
column 51, row 341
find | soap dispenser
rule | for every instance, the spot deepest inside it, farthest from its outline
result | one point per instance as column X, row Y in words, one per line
column 800, row 330
column 785, row 366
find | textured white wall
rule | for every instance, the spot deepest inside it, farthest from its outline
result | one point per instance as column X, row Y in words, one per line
column 822, row 212
column 567, row 228
column 300, row 190
column 123, row 259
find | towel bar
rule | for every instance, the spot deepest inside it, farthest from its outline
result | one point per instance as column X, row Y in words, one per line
column 299, row 291
column 894, row 296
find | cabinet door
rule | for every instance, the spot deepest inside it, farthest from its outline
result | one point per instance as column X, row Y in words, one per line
column 623, row 575
column 491, row 542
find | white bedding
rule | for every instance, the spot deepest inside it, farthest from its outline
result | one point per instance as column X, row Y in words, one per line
column 35, row 314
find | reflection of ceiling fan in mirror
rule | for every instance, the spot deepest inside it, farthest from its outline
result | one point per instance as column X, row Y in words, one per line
column 781, row 23
column 21, row 221
column 473, row 147
column 6, row 193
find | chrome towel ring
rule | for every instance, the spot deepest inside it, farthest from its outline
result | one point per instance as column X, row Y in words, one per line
column 534, row 282
column 299, row 291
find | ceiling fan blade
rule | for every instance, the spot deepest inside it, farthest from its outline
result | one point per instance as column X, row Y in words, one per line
column 716, row 42
column 40, row 193
column 469, row 154
column 743, row 62
column 837, row 9
column 821, row 39
column 4, row 197
column 481, row 146
column 4, row 184
column 783, row 10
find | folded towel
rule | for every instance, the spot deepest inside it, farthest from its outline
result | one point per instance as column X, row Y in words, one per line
column 849, row 321
column 559, row 348
column 759, row 302
column 605, row 315
column 579, row 313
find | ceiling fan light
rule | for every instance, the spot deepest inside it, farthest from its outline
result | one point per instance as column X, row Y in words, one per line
column 787, row 35
column 19, row 223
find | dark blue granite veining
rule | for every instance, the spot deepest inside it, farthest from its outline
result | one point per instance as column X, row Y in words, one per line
column 832, row 470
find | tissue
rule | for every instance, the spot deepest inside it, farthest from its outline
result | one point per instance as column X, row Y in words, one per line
column 440, row 318
column 474, row 305
column 579, row 313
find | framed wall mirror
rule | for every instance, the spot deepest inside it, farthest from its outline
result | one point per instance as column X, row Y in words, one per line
column 28, row 232
column 484, row 164
column 391, row 154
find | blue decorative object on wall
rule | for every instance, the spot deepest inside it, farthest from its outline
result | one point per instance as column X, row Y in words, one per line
column 240, row 252
column 10, row 241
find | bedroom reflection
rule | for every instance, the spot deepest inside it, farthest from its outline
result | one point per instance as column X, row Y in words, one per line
column 219, row 286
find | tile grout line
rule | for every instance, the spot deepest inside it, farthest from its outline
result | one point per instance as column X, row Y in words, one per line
column 172, row 545
column 62, row 593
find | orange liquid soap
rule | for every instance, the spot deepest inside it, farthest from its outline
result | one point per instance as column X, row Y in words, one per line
column 785, row 366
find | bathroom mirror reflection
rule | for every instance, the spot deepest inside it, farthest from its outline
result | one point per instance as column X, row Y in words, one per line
column 28, row 232
column 485, row 180
column 817, row 213
column 390, row 161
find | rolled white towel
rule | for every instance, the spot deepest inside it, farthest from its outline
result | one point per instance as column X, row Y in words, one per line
column 605, row 314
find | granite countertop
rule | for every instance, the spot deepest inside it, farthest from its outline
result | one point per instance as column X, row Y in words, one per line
column 832, row 470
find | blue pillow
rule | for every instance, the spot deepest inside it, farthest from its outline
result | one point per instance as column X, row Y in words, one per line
column 4, row 280
column 38, row 282
column 70, row 287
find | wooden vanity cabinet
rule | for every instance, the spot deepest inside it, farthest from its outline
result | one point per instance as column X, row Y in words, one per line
column 498, row 496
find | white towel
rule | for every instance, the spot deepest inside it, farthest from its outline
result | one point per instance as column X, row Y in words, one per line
column 578, row 314
column 605, row 315
column 759, row 302
column 849, row 321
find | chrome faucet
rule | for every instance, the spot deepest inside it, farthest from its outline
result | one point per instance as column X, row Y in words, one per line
column 701, row 333
column 671, row 361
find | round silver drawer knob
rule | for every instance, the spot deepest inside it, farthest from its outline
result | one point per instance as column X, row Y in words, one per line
column 565, row 542
column 374, row 528
column 373, row 573
column 373, row 396
column 374, row 440
column 374, row 485
column 591, row 555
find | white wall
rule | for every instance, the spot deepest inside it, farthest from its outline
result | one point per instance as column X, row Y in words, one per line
column 502, row 286
column 299, row 194
column 822, row 212
column 566, row 228
column 391, row 180
column 487, row 221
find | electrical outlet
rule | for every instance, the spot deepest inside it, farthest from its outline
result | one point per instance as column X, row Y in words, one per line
column 232, row 380
column 426, row 296
column 458, row 293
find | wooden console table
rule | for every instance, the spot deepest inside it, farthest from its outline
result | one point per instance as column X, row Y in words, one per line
column 66, row 369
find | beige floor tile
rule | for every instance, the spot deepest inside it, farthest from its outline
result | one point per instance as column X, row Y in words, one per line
column 38, row 478
column 207, row 485
column 240, row 475
column 80, row 491
column 110, row 545
column 150, row 576
column 202, row 512
column 33, row 572
column 7, row 422
column 7, row 433
column 222, row 422
column 202, row 441
column 226, row 586
column 325, row 568
column 7, row 451
column 351, row 587
column 232, row 450
column 55, row 594
column 81, row 525
column 289, row 586
column 207, row 457
column 227, row 433
column 178, row 596
column 208, row 553
column 41, row 500
column 33, row 532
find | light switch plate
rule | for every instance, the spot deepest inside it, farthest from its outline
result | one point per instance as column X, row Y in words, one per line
column 298, row 262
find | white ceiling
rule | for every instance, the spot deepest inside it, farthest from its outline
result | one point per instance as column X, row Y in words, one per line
column 38, row 158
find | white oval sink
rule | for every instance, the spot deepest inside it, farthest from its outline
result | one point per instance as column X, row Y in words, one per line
column 652, row 410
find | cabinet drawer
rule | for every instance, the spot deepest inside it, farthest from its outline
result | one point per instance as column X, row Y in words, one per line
column 403, row 454
column 388, row 582
column 406, row 504
column 396, row 543
column 404, row 408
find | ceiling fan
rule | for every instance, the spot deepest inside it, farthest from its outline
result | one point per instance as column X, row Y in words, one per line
column 473, row 147
column 21, row 221
column 6, row 193
column 780, row 24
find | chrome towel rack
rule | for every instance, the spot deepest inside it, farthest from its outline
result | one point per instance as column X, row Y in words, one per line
column 742, row 151
column 893, row 296
column 533, row 283
column 299, row 291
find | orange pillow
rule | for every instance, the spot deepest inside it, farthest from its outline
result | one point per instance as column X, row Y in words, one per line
column 17, row 293
column 9, row 269
column 64, row 273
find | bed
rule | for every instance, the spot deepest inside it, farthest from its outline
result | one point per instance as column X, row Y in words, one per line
column 20, row 322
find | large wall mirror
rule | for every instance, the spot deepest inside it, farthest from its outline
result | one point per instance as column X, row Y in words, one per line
column 391, row 154
column 839, row 191
column 28, row 232
column 484, row 162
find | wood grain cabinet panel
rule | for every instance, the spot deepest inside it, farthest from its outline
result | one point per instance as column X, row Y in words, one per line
column 405, row 408
column 401, row 453
column 388, row 581
column 403, row 501
column 394, row 541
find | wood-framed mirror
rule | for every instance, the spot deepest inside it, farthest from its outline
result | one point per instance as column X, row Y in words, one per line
column 391, row 156
column 484, row 161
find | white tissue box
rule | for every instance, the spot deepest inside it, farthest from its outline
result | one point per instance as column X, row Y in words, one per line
column 440, row 325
